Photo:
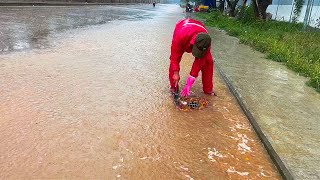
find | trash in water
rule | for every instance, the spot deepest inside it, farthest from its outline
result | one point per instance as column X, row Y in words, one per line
column 191, row 103
column 188, row 103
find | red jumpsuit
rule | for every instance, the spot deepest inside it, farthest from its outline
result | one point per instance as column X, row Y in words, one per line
column 183, row 38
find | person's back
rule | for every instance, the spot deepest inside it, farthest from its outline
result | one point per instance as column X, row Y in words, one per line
column 191, row 36
column 186, row 29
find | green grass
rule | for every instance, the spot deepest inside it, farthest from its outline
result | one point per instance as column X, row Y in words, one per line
column 280, row 41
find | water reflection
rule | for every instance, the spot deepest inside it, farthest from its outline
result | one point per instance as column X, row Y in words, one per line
column 97, row 105
column 24, row 28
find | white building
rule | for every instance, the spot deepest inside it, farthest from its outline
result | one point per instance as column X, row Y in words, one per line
column 281, row 10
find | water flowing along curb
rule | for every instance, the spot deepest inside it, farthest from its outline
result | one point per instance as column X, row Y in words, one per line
column 283, row 170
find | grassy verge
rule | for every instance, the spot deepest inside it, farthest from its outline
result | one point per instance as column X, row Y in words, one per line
column 281, row 41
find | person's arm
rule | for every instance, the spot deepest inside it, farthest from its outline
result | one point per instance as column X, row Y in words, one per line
column 175, row 56
column 196, row 67
column 198, row 64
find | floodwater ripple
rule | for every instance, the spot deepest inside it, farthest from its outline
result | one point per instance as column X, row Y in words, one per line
column 97, row 106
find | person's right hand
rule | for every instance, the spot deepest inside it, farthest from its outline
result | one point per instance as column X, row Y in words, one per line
column 189, row 83
column 176, row 77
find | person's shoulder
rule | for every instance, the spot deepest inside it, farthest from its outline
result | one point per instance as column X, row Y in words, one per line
column 195, row 21
column 183, row 20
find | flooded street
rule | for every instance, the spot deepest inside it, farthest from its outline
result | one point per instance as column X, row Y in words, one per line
column 25, row 28
column 285, row 108
column 86, row 96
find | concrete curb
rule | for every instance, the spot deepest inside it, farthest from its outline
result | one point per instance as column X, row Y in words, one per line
column 283, row 170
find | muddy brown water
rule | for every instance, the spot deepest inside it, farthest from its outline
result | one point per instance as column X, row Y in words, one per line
column 96, row 106
column 286, row 110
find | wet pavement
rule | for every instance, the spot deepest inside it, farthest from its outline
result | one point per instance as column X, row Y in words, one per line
column 285, row 108
column 26, row 27
column 94, row 103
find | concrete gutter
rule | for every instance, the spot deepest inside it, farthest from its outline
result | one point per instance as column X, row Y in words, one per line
column 283, row 170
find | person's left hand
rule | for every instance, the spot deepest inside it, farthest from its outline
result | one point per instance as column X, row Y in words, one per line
column 185, row 91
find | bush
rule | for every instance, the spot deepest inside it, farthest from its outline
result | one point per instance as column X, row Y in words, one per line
column 281, row 41
column 246, row 14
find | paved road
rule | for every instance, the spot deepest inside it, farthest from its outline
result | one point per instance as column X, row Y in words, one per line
column 84, row 94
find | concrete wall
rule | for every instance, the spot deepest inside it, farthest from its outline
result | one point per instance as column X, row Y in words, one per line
column 283, row 12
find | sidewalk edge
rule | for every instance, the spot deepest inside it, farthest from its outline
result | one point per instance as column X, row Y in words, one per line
column 283, row 170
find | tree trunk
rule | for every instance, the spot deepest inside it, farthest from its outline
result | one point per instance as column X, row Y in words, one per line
column 232, row 6
column 263, row 5
column 214, row 4
column 244, row 3
column 221, row 5
column 255, row 8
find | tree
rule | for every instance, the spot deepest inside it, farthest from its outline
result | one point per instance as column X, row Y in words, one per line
column 297, row 10
column 232, row 7
column 221, row 5
column 260, row 8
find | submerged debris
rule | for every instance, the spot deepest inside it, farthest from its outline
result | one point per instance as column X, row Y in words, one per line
column 189, row 103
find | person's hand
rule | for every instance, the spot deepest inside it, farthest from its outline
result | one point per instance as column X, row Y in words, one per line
column 189, row 83
column 176, row 78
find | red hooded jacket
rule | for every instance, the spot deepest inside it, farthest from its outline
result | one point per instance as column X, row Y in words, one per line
column 183, row 37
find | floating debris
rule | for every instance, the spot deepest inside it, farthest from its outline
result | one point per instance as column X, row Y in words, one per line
column 191, row 103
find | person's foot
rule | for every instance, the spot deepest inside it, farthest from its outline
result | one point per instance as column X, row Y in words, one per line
column 211, row 93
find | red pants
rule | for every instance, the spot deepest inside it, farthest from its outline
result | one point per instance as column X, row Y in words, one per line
column 207, row 71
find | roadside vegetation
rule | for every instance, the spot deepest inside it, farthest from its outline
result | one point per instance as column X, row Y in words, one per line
column 280, row 41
